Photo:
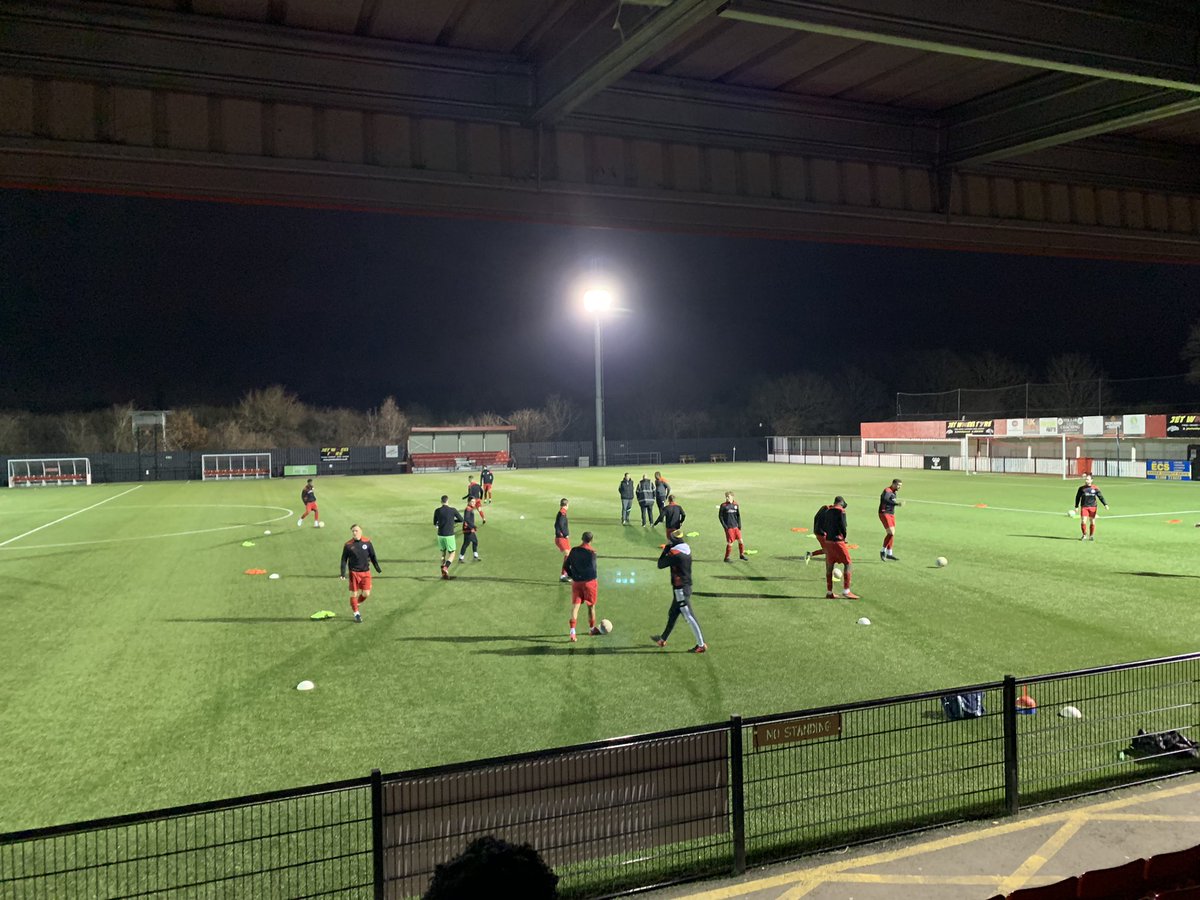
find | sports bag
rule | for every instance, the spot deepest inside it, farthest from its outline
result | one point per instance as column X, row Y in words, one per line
column 964, row 706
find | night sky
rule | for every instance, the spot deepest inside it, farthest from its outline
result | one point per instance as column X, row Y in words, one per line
column 174, row 303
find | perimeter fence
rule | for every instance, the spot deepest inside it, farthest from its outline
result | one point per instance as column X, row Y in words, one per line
column 616, row 816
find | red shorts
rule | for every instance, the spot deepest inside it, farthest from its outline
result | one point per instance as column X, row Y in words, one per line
column 733, row 534
column 888, row 520
column 584, row 592
column 310, row 507
column 1088, row 512
column 360, row 582
column 487, row 489
column 837, row 552
column 475, row 503
column 562, row 544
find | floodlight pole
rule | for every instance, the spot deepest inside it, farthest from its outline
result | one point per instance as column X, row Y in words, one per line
column 601, row 455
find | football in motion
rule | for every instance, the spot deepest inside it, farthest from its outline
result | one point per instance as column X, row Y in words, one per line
column 605, row 626
column 320, row 524
column 941, row 561
column 837, row 573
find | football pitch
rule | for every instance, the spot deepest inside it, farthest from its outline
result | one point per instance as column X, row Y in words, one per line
column 143, row 668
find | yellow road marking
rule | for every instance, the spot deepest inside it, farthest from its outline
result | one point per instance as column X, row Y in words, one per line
column 803, row 882
column 1043, row 855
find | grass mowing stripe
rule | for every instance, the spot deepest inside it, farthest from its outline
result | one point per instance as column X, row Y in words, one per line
column 69, row 516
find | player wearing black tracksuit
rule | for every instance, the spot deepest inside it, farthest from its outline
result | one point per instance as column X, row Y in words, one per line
column 645, row 497
column 672, row 515
column 677, row 556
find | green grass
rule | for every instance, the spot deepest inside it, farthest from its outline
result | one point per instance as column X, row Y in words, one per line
column 143, row 669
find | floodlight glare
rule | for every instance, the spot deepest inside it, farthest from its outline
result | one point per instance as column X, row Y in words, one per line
column 597, row 300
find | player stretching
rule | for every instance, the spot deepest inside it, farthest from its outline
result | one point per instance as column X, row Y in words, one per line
column 677, row 556
column 359, row 556
column 731, row 520
column 1085, row 501
column 474, row 497
column 581, row 567
column 486, row 478
column 830, row 527
column 445, row 517
column 309, row 498
column 887, row 515
column 562, row 536
column 469, row 533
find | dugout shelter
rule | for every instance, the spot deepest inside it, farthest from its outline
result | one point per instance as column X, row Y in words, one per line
column 454, row 448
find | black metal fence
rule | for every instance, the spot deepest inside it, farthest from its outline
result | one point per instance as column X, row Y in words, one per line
column 615, row 816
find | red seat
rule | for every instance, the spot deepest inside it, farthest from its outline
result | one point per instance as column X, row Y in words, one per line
column 1060, row 890
column 1171, row 870
column 1116, row 883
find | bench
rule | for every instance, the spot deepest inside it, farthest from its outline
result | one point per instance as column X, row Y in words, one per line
column 687, row 458
column 718, row 457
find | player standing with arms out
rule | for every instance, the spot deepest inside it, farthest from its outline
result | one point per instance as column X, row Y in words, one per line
column 730, row 515
column 486, row 478
column 358, row 555
column 830, row 528
column 645, row 496
column 677, row 556
column 672, row 514
column 308, row 497
column 562, row 535
column 626, row 493
column 1085, row 501
column 474, row 497
column 469, row 533
column 445, row 517
column 662, row 491
column 581, row 568
column 887, row 515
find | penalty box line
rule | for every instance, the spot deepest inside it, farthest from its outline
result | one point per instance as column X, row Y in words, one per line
column 68, row 516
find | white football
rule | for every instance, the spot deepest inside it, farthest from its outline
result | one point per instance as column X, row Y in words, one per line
column 268, row 531
column 522, row 517
column 320, row 524
column 605, row 626
column 941, row 561
column 864, row 621
column 274, row 576
column 1070, row 712
column 1071, row 513
column 305, row 686
column 837, row 574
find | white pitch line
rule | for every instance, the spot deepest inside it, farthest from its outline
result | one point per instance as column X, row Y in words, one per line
column 68, row 516
column 287, row 514
column 1182, row 512
column 1040, row 512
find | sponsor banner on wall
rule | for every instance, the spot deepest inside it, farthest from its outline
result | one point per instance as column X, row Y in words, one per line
column 969, row 427
column 1133, row 425
column 938, row 463
column 1112, row 426
column 1070, row 425
column 335, row 454
column 1047, row 426
column 1016, row 427
column 1184, row 425
column 1168, row 470
column 391, row 451
column 1093, row 425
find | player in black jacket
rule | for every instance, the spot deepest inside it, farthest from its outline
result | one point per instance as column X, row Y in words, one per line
column 469, row 531
column 672, row 514
column 308, row 497
column 358, row 555
column 626, row 493
column 662, row 491
column 645, row 497
column 474, row 497
column 445, row 517
column 677, row 556
column 581, row 569
column 830, row 527
column 562, row 536
column 1085, row 501
column 486, row 478
column 730, row 515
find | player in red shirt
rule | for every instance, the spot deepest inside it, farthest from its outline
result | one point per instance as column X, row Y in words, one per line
column 309, row 498
column 358, row 555
column 580, row 566
column 1085, row 501
column 562, row 536
column 830, row 527
column 887, row 515
column 730, row 515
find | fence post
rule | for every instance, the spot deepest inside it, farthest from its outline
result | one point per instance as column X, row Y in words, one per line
column 377, row 831
column 739, row 794
column 1012, row 797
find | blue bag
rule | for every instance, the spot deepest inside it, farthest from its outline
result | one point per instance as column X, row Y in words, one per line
column 964, row 706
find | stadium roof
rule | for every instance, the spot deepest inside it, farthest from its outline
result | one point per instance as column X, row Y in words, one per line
column 1056, row 125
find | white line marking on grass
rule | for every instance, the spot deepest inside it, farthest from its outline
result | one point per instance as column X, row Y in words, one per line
column 287, row 514
column 1040, row 512
column 1182, row 512
column 68, row 516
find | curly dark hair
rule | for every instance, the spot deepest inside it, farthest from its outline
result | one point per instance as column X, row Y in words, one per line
column 491, row 867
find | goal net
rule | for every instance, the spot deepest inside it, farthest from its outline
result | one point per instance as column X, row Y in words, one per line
column 229, row 466
column 40, row 472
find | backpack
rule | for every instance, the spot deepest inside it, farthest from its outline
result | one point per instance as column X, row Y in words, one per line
column 964, row 706
column 1167, row 743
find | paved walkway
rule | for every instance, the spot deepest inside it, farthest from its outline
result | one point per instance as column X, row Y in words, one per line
column 979, row 860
